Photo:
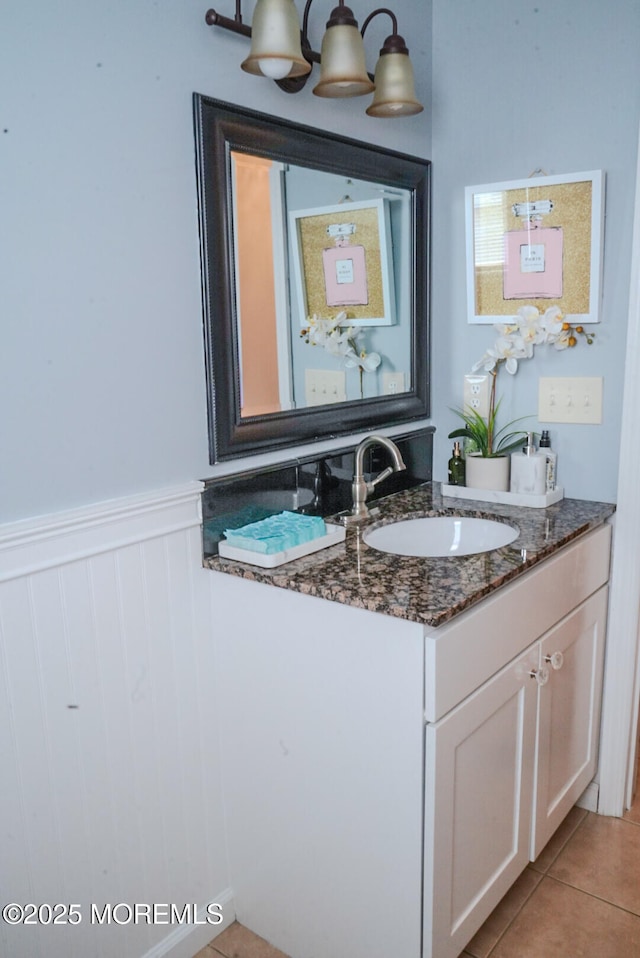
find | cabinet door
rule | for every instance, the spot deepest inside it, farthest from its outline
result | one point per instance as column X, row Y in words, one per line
column 478, row 799
column 568, row 715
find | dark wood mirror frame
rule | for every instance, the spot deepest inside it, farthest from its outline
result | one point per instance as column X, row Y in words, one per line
column 219, row 128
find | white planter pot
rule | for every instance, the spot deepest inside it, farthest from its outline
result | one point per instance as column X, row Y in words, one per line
column 493, row 473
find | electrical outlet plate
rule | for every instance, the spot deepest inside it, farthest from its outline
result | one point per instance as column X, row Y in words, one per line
column 575, row 399
column 476, row 393
column 392, row 383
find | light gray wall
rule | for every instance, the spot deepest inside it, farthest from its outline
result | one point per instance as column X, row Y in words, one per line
column 518, row 86
column 101, row 367
column 102, row 386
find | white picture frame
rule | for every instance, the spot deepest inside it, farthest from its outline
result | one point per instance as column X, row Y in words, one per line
column 371, row 235
column 570, row 210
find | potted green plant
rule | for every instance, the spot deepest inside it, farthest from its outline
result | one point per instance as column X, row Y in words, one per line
column 488, row 449
column 488, row 459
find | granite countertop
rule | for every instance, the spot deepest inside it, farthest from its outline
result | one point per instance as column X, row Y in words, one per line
column 426, row 590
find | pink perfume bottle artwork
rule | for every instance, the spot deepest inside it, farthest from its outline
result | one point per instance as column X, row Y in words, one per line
column 533, row 255
column 345, row 270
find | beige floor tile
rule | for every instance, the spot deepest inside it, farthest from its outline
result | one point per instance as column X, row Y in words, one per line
column 603, row 858
column 236, row 941
column 559, row 839
column 502, row 916
column 633, row 815
column 207, row 952
column 561, row 922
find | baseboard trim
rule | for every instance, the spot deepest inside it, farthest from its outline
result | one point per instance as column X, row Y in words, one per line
column 33, row 545
column 185, row 941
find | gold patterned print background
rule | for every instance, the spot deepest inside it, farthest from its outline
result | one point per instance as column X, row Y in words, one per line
column 572, row 211
column 312, row 231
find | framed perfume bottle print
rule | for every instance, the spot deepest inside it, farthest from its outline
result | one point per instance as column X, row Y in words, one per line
column 342, row 261
column 538, row 242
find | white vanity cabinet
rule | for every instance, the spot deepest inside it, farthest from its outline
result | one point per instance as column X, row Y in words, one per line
column 502, row 770
column 386, row 783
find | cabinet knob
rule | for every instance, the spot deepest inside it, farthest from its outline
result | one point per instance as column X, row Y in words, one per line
column 540, row 675
column 556, row 660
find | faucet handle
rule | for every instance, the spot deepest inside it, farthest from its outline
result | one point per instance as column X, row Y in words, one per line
column 383, row 475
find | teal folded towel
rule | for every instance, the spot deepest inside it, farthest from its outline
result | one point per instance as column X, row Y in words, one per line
column 276, row 533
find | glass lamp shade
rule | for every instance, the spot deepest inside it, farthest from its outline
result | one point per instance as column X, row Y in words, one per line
column 342, row 64
column 395, row 88
column 275, row 41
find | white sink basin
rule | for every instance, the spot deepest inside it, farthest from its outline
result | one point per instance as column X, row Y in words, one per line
column 441, row 536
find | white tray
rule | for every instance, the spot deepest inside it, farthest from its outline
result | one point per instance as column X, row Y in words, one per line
column 334, row 535
column 506, row 498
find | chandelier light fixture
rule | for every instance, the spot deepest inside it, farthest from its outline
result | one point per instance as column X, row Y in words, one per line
column 281, row 51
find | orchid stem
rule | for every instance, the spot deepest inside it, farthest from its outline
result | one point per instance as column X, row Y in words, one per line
column 492, row 406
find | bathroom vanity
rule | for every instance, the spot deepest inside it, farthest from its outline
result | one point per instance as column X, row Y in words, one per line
column 401, row 735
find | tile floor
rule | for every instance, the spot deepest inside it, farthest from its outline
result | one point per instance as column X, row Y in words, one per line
column 580, row 899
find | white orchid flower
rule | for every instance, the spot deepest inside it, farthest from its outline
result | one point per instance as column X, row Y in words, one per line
column 509, row 349
column 529, row 327
column 340, row 341
column 527, row 315
column 337, row 345
column 515, row 341
column 486, row 362
column 326, row 333
column 366, row 361
column 371, row 361
column 551, row 323
column 506, row 329
column 562, row 339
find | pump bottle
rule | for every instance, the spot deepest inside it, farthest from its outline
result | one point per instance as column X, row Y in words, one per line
column 552, row 460
column 528, row 470
column 456, row 467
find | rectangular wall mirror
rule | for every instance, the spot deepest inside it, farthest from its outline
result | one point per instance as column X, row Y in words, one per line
column 296, row 223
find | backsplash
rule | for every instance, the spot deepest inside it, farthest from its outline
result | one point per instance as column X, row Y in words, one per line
column 318, row 485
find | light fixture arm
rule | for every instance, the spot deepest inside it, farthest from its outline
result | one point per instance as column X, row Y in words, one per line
column 374, row 13
column 394, row 43
column 305, row 20
column 215, row 19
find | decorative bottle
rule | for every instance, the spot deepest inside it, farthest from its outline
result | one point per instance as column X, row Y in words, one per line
column 456, row 467
column 552, row 460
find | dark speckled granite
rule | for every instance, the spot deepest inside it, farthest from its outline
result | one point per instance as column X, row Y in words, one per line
column 430, row 591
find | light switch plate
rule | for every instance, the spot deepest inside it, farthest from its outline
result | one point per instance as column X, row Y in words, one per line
column 476, row 393
column 322, row 386
column 575, row 399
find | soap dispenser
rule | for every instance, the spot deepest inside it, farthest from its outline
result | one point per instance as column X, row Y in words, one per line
column 456, row 467
column 529, row 470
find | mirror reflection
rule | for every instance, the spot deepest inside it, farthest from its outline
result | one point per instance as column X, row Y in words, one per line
column 322, row 274
column 315, row 279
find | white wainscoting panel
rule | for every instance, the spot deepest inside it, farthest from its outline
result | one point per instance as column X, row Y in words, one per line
column 110, row 785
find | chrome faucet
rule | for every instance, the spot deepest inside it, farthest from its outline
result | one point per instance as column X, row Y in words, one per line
column 360, row 488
